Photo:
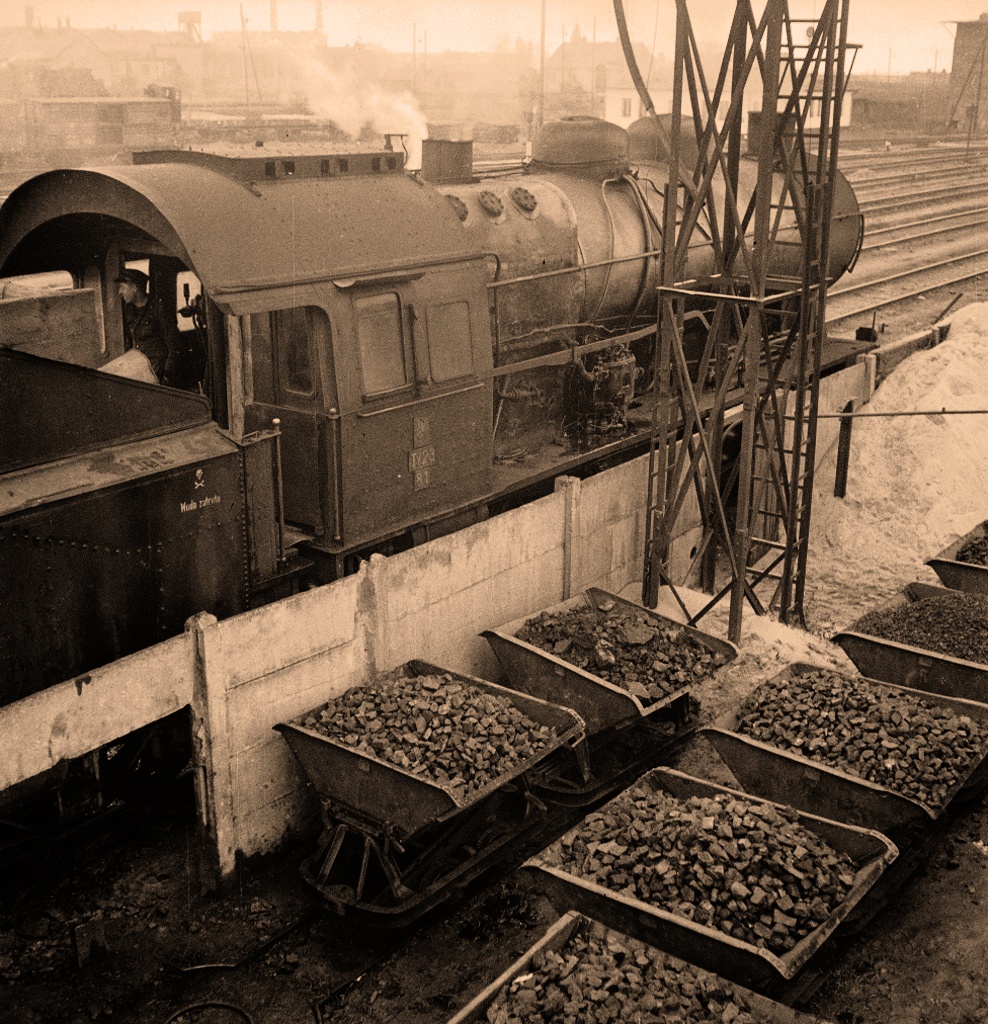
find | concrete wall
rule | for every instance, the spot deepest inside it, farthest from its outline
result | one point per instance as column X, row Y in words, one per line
column 83, row 714
column 258, row 669
column 429, row 603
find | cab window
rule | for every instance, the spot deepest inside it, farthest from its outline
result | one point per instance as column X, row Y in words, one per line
column 450, row 343
column 283, row 348
column 293, row 343
column 382, row 344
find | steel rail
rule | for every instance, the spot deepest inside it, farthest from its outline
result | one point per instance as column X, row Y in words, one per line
column 934, row 286
column 929, row 174
column 912, row 198
column 866, row 157
column 927, row 220
column 837, row 292
column 922, row 234
column 937, row 178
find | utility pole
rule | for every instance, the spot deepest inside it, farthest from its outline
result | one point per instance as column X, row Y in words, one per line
column 593, row 71
column 243, row 32
column 540, row 115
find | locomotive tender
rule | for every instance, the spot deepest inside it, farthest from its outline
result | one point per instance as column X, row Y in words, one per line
column 431, row 345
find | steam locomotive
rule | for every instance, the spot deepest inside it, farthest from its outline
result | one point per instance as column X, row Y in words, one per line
column 361, row 359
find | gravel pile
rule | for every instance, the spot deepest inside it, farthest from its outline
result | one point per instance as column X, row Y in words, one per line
column 624, row 646
column 436, row 726
column 952, row 623
column 603, row 978
column 746, row 869
column 907, row 744
column 975, row 552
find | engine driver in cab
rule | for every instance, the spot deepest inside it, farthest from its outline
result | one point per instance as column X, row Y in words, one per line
column 143, row 327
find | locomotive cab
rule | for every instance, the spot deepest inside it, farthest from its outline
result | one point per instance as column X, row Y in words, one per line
column 334, row 295
column 383, row 382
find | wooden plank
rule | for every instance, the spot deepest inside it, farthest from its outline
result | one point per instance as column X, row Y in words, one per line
column 60, row 325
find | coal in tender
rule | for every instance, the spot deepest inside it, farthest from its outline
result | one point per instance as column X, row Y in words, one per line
column 741, row 867
column 625, row 646
column 975, row 551
column 903, row 742
column 443, row 729
column 601, row 977
column 951, row 623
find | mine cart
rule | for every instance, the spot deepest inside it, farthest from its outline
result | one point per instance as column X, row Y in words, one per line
column 615, row 715
column 395, row 843
column 914, row 825
column 910, row 665
column 572, row 926
column 802, row 782
column 969, row 572
column 773, row 974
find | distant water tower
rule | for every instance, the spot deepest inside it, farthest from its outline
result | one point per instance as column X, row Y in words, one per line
column 190, row 23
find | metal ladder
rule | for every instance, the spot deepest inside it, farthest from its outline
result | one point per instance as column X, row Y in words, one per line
column 786, row 443
column 765, row 333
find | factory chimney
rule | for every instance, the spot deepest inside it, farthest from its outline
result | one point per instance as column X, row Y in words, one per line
column 29, row 16
column 274, row 16
column 319, row 15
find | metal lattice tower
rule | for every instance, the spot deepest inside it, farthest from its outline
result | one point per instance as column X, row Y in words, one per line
column 751, row 325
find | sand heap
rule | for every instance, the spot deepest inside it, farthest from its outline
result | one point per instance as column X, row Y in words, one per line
column 915, row 483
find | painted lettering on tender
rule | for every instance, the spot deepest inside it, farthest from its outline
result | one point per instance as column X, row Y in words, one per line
column 197, row 503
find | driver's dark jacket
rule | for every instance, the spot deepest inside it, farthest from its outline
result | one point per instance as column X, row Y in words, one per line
column 144, row 331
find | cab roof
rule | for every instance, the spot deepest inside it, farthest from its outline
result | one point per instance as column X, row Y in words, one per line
column 235, row 224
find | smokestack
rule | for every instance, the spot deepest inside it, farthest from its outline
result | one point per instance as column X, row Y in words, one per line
column 319, row 15
column 274, row 15
column 29, row 16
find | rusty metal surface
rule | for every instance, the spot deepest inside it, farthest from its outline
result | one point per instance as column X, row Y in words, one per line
column 739, row 962
column 106, row 553
column 74, row 409
column 801, row 782
column 602, row 705
column 555, row 938
column 915, row 667
column 389, row 797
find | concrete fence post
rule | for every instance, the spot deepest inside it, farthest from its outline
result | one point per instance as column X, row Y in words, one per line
column 569, row 487
column 371, row 631
column 870, row 361
column 216, row 831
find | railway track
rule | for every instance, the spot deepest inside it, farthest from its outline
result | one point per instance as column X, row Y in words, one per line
column 923, row 238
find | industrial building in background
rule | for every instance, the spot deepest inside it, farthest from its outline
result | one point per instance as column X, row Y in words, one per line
column 70, row 95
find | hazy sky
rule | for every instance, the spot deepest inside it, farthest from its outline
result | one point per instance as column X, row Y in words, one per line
column 908, row 35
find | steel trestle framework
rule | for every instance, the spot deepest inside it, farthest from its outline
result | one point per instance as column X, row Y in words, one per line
column 746, row 326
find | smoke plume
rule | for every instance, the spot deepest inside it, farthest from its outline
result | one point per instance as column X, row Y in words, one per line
column 363, row 108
